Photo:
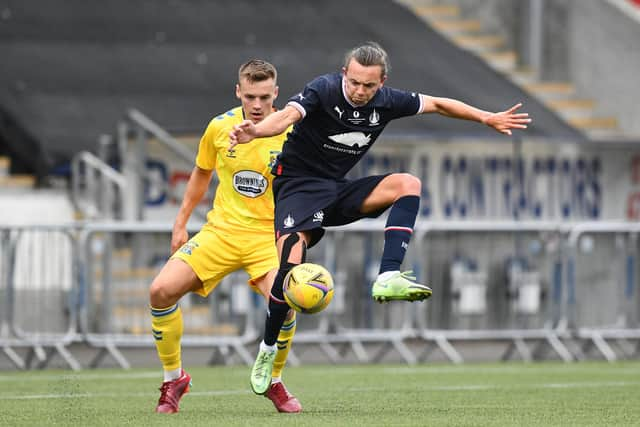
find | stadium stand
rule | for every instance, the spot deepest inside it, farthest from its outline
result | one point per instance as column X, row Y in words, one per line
column 73, row 68
column 465, row 27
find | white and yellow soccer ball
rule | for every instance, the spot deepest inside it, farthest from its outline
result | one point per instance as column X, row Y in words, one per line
column 308, row 288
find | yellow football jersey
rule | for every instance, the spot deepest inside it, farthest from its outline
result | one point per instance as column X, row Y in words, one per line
column 244, row 196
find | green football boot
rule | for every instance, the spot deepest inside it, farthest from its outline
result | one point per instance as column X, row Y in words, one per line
column 261, row 371
column 399, row 287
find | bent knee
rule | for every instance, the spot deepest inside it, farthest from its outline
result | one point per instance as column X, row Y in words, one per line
column 407, row 185
column 161, row 295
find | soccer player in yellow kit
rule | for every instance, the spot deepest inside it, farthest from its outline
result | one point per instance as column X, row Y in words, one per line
column 238, row 233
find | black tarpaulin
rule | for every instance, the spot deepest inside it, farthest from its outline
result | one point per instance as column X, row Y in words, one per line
column 71, row 68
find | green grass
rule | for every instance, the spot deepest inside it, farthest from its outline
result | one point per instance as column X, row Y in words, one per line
column 540, row 394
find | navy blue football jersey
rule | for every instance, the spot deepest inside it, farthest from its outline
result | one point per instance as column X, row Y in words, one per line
column 333, row 134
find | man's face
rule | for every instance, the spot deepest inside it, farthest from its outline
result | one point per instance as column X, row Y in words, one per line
column 256, row 98
column 362, row 82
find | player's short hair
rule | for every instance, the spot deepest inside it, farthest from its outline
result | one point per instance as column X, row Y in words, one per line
column 257, row 70
column 370, row 53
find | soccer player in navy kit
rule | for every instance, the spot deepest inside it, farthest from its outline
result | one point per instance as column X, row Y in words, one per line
column 337, row 119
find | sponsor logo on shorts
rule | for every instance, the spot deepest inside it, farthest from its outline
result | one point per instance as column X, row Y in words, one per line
column 289, row 221
column 250, row 183
column 188, row 247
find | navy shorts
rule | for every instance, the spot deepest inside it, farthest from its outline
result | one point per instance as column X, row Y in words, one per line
column 311, row 203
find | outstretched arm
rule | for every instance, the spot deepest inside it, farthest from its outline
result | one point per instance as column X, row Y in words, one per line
column 502, row 121
column 273, row 124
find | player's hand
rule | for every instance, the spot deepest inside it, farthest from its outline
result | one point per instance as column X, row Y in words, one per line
column 504, row 121
column 242, row 133
column 179, row 237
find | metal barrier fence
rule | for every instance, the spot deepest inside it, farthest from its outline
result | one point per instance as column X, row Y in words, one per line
column 544, row 289
column 120, row 261
column 458, row 312
column 618, row 327
column 40, row 288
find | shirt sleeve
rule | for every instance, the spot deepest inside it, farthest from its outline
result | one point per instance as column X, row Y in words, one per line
column 405, row 103
column 308, row 100
column 206, row 157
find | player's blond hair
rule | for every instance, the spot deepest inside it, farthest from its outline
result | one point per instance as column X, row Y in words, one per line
column 370, row 53
column 257, row 70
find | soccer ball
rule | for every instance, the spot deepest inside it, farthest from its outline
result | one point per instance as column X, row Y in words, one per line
column 308, row 288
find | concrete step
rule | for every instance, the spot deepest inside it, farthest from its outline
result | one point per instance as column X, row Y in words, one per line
column 559, row 96
column 504, row 61
column 479, row 43
column 548, row 91
column 573, row 108
column 128, row 275
column 522, row 76
column 609, row 135
column 598, row 127
column 5, row 166
column 23, row 205
column 595, row 123
column 412, row 4
column 17, row 182
column 572, row 104
column 454, row 27
column 440, row 11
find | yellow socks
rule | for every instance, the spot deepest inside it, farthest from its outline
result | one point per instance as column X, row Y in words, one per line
column 285, row 338
column 167, row 327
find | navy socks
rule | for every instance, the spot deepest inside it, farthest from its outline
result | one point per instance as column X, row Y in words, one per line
column 397, row 232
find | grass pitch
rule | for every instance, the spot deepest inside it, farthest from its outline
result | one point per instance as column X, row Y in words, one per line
column 540, row 394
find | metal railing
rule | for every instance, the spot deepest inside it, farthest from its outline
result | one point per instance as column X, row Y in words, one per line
column 621, row 329
column 101, row 192
column 104, row 294
column 97, row 189
column 134, row 156
column 40, row 287
column 88, row 283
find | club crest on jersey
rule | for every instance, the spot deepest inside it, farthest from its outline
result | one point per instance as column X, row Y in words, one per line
column 289, row 221
column 231, row 153
column 374, row 118
column 351, row 139
column 273, row 155
column 250, row 183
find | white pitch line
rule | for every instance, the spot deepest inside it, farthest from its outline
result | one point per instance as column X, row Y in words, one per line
column 119, row 395
column 484, row 387
column 425, row 370
column 462, row 387
column 521, row 370
column 82, row 377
